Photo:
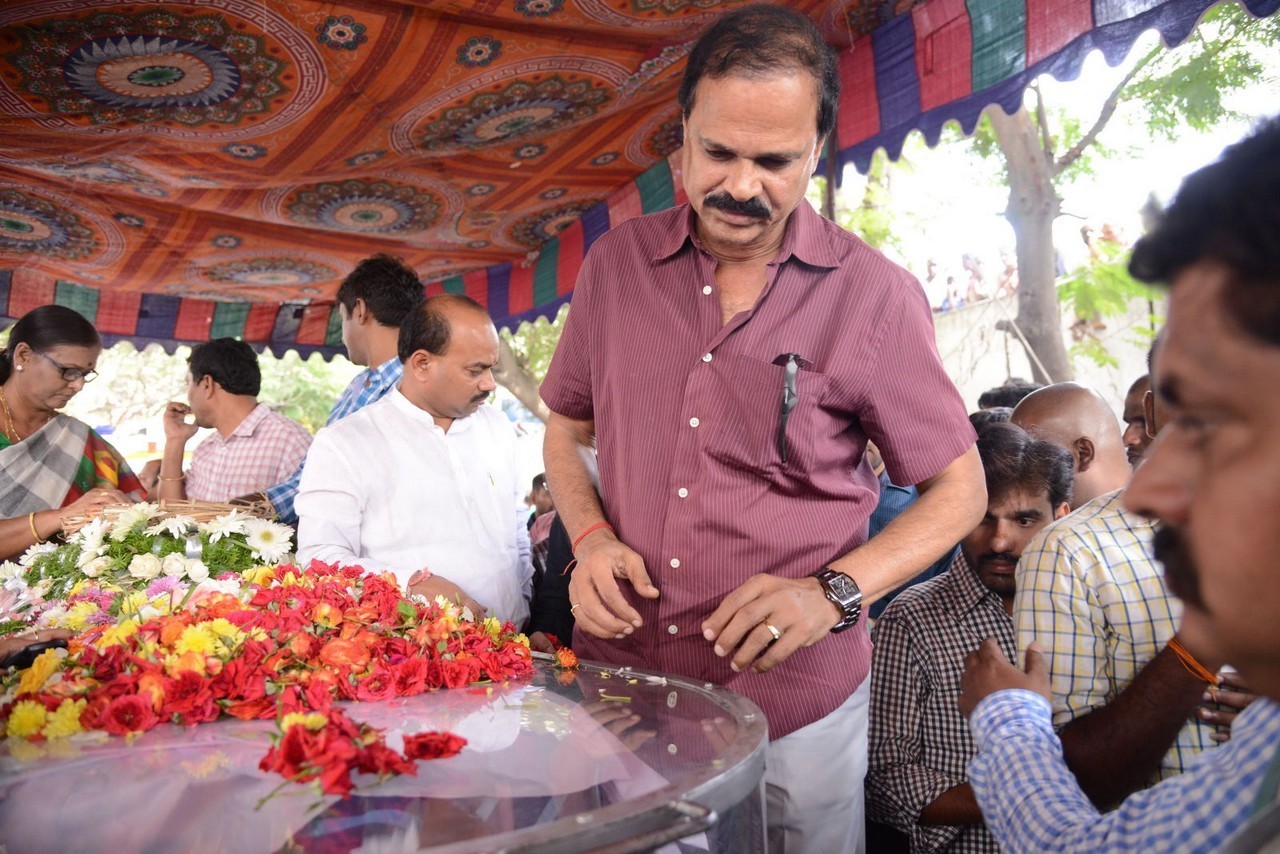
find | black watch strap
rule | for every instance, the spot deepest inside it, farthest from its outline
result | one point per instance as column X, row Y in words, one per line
column 844, row 592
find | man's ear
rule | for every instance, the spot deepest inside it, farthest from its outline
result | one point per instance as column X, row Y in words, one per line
column 1061, row 510
column 1149, row 413
column 360, row 312
column 419, row 364
column 1085, row 453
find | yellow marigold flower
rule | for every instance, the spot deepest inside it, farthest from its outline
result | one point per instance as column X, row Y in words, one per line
column 311, row 720
column 521, row 638
column 258, row 633
column 492, row 626
column 258, row 574
column 25, row 719
column 198, row 638
column 66, row 720
column 225, row 628
column 78, row 587
column 118, row 633
column 78, row 616
column 133, row 603
column 34, row 677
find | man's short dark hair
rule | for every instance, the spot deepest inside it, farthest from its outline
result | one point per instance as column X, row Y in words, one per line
column 993, row 415
column 757, row 41
column 427, row 327
column 1010, row 394
column 232, row 364
column 539, row 482
column 1013, row 459
column 1228, row 213
column 390, row 289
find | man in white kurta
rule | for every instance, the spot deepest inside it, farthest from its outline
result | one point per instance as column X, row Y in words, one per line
column 424, row 482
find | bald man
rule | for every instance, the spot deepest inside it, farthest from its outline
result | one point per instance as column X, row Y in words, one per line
column 424, row 482
column 1090, row 592
column 1080, row 420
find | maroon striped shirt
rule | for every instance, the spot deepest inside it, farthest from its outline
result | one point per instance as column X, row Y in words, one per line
column 686, row 416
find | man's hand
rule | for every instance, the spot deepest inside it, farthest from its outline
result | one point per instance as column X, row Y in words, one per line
column 539, row 642
column 987, row 671
column 176, row 428
column 1221, row 704
column 596, row 600
column 437, row 585
column 797, row 609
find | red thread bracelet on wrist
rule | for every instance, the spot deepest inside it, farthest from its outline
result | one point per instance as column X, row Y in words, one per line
column 597, row 526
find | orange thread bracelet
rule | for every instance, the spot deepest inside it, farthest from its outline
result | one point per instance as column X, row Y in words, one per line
column 1189, row 661
column 597, row 526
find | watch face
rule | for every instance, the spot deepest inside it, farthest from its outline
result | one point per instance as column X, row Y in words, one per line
column 844, row 588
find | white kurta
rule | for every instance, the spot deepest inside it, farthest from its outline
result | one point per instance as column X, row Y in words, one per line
column 387, row 489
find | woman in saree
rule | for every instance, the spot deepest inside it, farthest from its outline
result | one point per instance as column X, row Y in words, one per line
column 52, row 467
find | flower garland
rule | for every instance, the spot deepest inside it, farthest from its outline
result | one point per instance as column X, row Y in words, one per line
column 286, row 646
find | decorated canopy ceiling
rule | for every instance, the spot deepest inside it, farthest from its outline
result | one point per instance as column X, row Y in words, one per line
column 187, row 169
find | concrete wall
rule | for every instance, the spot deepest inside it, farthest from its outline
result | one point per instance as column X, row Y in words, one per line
column 979, row 356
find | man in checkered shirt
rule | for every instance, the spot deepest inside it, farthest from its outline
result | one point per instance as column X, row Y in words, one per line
column 1091, row 593
column 919, row 742
column 251, row 447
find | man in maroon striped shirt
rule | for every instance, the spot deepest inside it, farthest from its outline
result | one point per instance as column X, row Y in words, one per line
column 729, row 360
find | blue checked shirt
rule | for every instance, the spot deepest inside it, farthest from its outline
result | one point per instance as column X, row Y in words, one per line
column 1032, row 801
column 369, row 385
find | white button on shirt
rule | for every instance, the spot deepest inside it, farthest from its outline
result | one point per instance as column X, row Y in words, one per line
column 387, row 489
column 694, row 422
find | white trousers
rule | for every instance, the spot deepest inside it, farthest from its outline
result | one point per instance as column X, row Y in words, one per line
column 813, row 783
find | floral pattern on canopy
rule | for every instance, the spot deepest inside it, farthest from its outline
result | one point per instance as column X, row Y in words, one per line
column 188, row 169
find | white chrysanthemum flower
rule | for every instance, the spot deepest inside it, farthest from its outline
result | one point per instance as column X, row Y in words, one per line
column 269, row 541
column 144, row 566
column 149, row 612
column 134, row 516
column 90, row 539
column 52, row 618
column 196, row 570
column 29, row 556
column 96, row 567
column 224, row 526
column 8, row 570
column 175, row 526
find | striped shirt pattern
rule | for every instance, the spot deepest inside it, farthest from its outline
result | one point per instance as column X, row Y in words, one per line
column 919, row 743
column 686, row 410
column 369, row 385
column 265, row 447
column 1032, row 801
column 1092, row 594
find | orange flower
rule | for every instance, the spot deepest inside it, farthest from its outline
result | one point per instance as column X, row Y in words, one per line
column 340, row 652
column 566, row 658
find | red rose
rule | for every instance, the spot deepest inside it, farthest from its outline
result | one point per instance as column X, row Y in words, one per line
column 191, row 697
column 411, row 677
column 130, row 713
column 379, row 685
column 433, row 745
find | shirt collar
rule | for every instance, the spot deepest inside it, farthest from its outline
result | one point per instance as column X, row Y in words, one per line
column 966, row 590
column 251, row 421
column 386, row 373
column 805, row 237
column 417, row 413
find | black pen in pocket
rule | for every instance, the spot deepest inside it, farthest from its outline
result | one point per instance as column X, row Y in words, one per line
column 791, row 364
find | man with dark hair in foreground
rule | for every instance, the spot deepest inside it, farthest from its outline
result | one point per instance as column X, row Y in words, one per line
column 1212, row 479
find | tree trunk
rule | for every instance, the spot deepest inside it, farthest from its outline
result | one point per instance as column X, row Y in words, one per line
column 514, row 378
column 1033, row 206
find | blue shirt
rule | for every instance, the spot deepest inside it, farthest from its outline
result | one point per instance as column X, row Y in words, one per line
column 369, row 385
column 1032, row 802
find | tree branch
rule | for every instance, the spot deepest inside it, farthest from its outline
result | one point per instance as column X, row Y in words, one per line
column 1042, row 122
column 1104, row 115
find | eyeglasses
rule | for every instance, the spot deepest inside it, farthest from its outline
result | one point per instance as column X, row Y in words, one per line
column 69, row 375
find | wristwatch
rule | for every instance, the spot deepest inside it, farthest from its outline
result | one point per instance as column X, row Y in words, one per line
column 844, row 592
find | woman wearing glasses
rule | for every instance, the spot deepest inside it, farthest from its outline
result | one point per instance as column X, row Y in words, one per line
column 52, row 466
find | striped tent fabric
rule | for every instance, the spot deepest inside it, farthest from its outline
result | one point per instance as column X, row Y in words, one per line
column 190, row 169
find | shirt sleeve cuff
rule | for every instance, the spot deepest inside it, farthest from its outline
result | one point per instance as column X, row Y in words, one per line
column 1011, row 707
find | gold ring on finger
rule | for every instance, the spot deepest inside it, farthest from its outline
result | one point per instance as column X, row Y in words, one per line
column 573, row 608
column 773, row 630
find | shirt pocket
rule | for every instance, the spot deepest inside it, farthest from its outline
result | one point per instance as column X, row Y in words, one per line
column 747, row 406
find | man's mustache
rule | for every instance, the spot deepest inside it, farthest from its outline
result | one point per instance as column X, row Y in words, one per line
column 1180, row 571
column 751, row 207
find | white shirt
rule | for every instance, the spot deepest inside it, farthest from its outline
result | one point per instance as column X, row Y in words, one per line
column 386, row 489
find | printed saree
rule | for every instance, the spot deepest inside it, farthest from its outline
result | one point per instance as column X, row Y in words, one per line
column 57, row 464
